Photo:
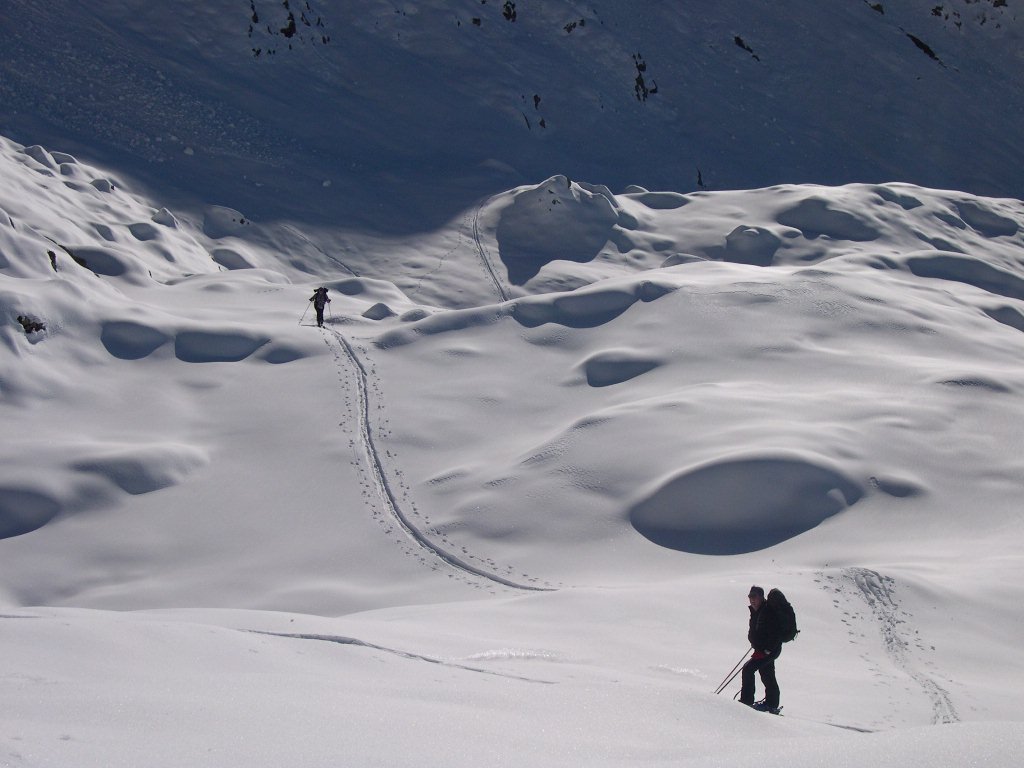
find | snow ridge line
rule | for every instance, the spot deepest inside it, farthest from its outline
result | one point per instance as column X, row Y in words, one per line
column 478, row 240
column 341, row 640
column 877, row 592
column 387, row 494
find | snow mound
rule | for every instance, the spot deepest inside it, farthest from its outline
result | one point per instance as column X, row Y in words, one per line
column 369, row 289
column 229, row 258
column 220, row 221
column 817, row 217
column 1007, row 315
column 751, row 245
column 90, row 476
column 139, row 469
column 588, row 307
column 555, row 220
column 969, row 270
column 129, row 340
column 379, row 311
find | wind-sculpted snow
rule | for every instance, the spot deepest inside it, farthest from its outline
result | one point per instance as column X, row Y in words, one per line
column 615, row 366
column 87, row 476
column 806, row 387
column 23, row 511
column 138, row 469
column 988, row 221
column 969, row 270
column 98, row 227
column 742, row 504
column 131, row 341
column 589, row 307
column 216, row 347
column 816, row 218
column 230, row 258
column 554, row 221
column 772, row 227
column 625, row 317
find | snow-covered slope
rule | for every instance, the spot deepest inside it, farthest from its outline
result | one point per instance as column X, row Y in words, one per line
column 399, row 115
column 806, row 386
column 505, row 507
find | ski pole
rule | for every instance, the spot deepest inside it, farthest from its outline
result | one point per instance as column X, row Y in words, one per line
column 304, row 313
column 731, row 678
column 732, row 673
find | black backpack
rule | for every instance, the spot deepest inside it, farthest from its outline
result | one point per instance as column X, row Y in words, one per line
column 785, row 613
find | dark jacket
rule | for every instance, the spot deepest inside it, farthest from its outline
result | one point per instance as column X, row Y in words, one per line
column 764, row 633
column 319, row 298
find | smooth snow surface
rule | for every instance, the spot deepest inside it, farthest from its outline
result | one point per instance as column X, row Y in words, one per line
column 504, row 508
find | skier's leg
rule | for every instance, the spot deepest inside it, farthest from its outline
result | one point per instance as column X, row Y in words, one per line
column 747, row 688
column 771, row 685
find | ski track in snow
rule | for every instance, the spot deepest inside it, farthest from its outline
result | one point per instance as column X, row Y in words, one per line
column 385, row 489
column 403, row 654
column 481, row 249
column 468, row 235
column 902, row 647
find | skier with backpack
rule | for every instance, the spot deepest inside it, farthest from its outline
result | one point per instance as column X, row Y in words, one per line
column 772, row 623
column 320, row 300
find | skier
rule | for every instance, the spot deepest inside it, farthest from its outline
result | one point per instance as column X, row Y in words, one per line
column 320, row 300
column 765, row 636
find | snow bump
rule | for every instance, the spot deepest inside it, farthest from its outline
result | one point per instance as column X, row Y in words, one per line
column 128, row 340
column 816, row 218
column 143, row 469
column 556, row 220
column 751, row 245
column 229, row 259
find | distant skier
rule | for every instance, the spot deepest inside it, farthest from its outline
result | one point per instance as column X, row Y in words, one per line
column 320, row 300
column 765, row 636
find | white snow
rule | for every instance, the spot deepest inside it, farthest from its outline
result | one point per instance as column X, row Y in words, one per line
column 505, row 507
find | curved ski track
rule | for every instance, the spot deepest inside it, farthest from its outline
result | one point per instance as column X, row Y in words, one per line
column 481, row 249
column 879, row 593
column 469, row 230
column 385, row 490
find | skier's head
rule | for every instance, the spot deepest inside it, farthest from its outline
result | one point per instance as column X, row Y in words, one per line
column 756, row 596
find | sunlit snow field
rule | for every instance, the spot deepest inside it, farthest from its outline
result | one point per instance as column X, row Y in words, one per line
column 505, row 507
